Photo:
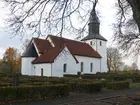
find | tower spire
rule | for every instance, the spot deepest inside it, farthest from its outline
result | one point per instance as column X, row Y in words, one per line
column 93, row 26
column 94, row 23
column 93, row 16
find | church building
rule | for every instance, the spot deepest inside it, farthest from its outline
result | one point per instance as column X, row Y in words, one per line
column 57, row 56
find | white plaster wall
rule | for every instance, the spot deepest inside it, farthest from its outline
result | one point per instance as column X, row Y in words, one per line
column 64, row 57
column 86, row 64
column 46, row 69
column 27, row 67
column 102, row 50
column 73, row 67
column 94, row 45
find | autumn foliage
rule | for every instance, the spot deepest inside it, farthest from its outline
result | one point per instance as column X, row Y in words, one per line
column 13, row 58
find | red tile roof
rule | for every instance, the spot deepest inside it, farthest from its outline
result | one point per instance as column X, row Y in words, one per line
column 48, row 57
column 76, row 47
column 49, row 53
column 42, row 45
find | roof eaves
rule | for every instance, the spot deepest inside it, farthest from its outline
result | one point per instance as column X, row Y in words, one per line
column 88, row 56
column 94, row 37
column 40, row 62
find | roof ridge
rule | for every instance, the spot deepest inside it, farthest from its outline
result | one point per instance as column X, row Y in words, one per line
column 73, row 40
column 66, row 39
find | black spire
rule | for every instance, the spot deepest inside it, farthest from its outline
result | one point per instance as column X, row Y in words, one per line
column 94, row 23
column 94, row 27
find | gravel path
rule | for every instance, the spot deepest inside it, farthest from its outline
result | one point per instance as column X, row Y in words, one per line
column 84, row 98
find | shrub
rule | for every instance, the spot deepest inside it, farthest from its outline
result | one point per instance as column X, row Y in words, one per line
column 89, row 87
column 70, row 75
column 72, row 86
column 117, row 85
column 85, row 87
column 104, row 82
column 32, row 92
column 35, row 84
column 78, row 73
column 53, row 80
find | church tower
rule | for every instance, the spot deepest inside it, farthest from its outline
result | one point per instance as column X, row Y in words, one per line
column 95, row 40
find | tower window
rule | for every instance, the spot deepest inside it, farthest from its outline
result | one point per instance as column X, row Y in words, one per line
column 100, row 43
column 82, row 66
column 91, row 67
column 90, row 42
column 64, row 68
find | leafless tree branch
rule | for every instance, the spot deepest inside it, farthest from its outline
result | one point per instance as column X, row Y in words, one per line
column 127, row 29
column 44, row 17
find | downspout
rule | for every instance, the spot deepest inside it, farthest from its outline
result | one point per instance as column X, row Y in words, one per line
column 51, row 69
column 96, row 45
column 100, row 65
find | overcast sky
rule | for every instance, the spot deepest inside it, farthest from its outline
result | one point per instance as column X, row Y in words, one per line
column 107, row 12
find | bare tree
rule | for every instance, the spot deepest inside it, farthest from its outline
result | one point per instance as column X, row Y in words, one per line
column 43, row 17
column 113, row 59
column 128, row 26
column 127, row 68
column 121, row 66
column 25, row 44
column 134, row 66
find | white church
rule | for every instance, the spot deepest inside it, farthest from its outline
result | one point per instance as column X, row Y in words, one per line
column 57, row 56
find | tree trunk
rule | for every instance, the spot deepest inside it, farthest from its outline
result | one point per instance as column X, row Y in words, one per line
column 135, row 5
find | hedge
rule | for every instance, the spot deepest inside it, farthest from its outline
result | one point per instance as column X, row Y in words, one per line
column 72, row 86
column 117, row 85
column 36, row 84
column 5, row 84
column 85, row 87
column 135, row 77
column 32, row 92
column 89, row 87
column 53, row 80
